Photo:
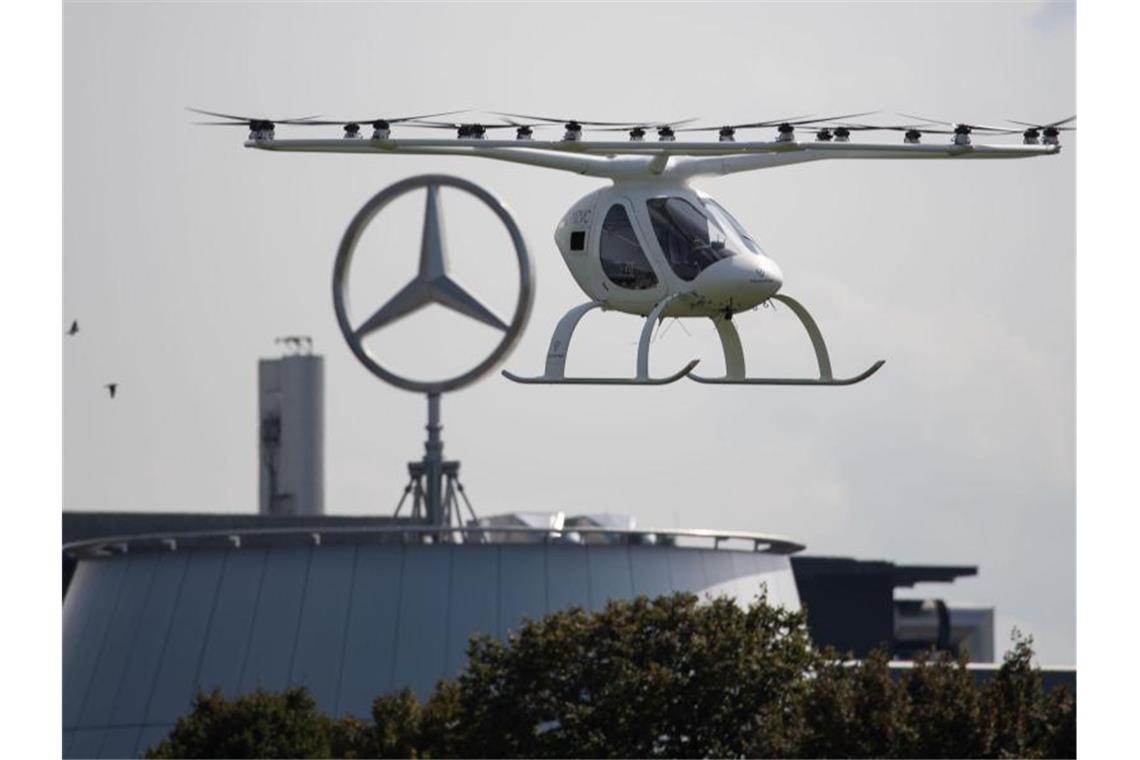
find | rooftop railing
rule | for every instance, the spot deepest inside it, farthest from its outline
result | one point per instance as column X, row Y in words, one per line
column 427, row 534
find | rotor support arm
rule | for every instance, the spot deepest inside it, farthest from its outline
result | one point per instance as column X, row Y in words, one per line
column 632, row 160
column 688, row 167
column 577, row 163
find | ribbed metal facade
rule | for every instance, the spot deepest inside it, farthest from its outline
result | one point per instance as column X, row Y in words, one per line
column 144, row 630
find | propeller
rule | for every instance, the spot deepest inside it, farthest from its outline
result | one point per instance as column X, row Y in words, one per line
column 961, row 128
column 523, row 130
column 352, row 126
column 665, row 130
column 254, row 123
column 573, row 126
column 841, row 132
column 477, row 130
column 1052, row 130
column 785, row 127
column 1057, row 124
column 579, row 123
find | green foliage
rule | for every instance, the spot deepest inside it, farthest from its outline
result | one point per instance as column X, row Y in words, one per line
column 396, row 725
column 1027, row 722
column 946, row 717
column 667, row 677
column 842, row 710
column 261, row 724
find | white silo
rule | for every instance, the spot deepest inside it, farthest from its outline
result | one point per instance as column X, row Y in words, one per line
column 291, row 430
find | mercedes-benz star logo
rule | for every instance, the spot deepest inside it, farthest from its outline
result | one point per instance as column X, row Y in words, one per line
column 431, row 284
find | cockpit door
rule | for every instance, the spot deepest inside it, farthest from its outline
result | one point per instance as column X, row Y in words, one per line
column 626, row 270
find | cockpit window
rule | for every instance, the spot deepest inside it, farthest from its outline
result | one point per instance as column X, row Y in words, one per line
column 623, row 260
column 728, row 220
column 690, row 240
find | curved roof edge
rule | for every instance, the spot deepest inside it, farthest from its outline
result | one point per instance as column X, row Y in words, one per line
column 317, row 534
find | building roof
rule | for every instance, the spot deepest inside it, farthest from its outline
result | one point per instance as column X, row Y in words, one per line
column 899, row 576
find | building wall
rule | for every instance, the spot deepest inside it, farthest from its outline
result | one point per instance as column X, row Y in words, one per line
column 143, row 631
column 849, row 604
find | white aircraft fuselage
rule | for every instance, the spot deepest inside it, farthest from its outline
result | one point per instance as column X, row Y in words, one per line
column 626, row 246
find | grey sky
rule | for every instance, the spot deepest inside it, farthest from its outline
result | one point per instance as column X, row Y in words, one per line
column 185, row 255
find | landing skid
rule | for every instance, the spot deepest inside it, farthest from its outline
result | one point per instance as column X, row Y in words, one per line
column 543, row 380
column 734, row 356
column 555, row 373
column 791, row 380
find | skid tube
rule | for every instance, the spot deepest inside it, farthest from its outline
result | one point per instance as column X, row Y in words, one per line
column 555, row 373
column 734, row 355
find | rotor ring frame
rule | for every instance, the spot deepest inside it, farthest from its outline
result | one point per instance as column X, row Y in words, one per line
column 347, row 249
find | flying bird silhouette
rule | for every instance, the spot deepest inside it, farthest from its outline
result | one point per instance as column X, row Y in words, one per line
column 111, row 388
column 74, row 327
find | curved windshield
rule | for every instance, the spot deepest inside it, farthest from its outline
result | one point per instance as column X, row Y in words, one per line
column 690, row 240
column 728, row 220
column 623, row 261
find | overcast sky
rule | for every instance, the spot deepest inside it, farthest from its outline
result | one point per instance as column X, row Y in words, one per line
column 185, row 255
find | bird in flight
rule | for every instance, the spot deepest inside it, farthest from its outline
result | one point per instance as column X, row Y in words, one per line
column 111, row 388
column 74, row 327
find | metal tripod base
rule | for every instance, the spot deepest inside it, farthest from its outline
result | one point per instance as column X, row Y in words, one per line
column 452, row 491
column 555, row 373
column 734, row 355
column 434, row 483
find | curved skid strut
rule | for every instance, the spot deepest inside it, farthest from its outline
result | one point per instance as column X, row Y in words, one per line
column 560, row 345
column 734, row 355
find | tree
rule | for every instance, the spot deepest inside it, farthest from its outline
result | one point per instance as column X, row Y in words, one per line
column 842, row 709
column 1027, row 722
column 261, row 724
column 946, row 714
column 664, row 677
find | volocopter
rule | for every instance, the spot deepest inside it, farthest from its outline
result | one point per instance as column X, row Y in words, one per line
column 651, row 244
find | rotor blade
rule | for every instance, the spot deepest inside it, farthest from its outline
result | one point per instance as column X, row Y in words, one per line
column 994, row 130
column 647, row 125
column 830, row 118
column 421, row 116
column 532, row 124
column 1044, row 126
column 925, row 119
column 773, row 123
column 215, row 113
column 706, row 129
column 971, row 125
column 412, row 297
column 753, row 124
column 554, row 120
column 394, row 120
column 864, row 127
column 894, row 127
column 248, row 119
column 456, row 125
column 447, row 292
